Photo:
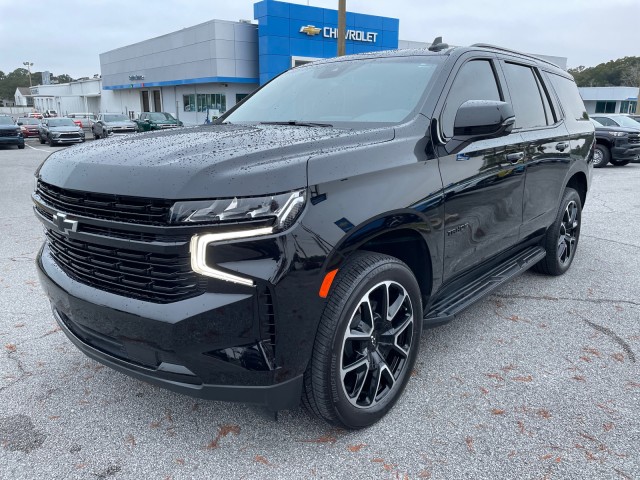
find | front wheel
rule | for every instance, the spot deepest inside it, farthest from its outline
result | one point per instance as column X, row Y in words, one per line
column 51, row 142
column 601, row 156
column 42, row 140
column 367, row 342
column 561, row 239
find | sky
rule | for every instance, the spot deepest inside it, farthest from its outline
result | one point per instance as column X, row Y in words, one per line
column 67, row 36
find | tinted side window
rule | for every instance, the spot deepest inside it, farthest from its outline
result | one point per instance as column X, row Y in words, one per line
column 525, row 96
column 474, row 81
column 569, row 97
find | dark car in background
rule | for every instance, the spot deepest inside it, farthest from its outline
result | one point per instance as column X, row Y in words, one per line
column 28, row 126
column 294, row 249
column 10, row 133
column 157, row 121
column 616, row 145
column 108, row 123
column 60, row 130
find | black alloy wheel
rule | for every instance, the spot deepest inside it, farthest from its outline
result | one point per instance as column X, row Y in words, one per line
column 367, row 342
column 376, row 344
column 601, row 156
column 561, row 239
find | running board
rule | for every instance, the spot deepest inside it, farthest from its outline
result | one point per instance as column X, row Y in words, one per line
column 446, row 308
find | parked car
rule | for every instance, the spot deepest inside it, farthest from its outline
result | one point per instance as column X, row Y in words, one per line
column 60, row 130
column 35, row 115
column 50, row 113
column 295, row 248
column 28, row 126
column 108, row 123
column 635, row 117
column 616, row 120
column 157, row 121
column 83, row 120
column 10, row 132
column 615, row 145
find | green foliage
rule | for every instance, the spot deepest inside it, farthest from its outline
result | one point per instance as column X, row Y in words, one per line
column 20, row 78
column 615, row 73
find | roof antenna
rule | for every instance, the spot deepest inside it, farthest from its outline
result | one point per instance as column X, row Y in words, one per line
column 437, row 45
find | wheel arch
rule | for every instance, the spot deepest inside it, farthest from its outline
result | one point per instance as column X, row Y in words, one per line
column 403, row 236
column 578, row 182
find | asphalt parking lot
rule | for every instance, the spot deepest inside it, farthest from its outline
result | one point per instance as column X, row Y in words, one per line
column 540, row 380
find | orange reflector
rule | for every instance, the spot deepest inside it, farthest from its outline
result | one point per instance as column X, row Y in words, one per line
column 326, row 283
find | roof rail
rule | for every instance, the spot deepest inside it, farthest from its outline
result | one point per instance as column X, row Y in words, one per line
column 502, row 49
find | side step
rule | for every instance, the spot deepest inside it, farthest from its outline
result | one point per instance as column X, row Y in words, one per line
column 444, row 309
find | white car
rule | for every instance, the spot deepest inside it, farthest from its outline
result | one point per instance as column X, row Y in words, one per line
column 616, row 120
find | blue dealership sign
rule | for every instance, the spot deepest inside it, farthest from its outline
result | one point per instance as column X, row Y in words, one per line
column 288, row 31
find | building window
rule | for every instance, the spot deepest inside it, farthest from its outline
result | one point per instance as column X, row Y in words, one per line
column 241, row 96
column 189, row 102
column 605, row 107
column 627, row 106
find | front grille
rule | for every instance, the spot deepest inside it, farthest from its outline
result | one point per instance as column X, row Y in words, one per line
column 268, row 324
column 141, row 210
column 74, row 136
column 9, row 133
column 160, row 278
column 634, row 138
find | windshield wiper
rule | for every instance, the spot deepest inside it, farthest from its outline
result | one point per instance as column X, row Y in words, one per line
column 298, row 124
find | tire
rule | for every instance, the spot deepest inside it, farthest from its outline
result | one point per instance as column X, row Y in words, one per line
column 619, row 163
column 561, row 239
column 601, row 156
column 42, row 140
column 95, row 135
column 51, row 142
column 379, row 353
column 21, row 147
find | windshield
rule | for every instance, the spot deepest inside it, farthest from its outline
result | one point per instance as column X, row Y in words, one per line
column 596, row 123
column 383, row 90
column 160, row 116
column 61, row 122
column 6, row 121
column 627, row 122
column 29, row 121
column 116, row 118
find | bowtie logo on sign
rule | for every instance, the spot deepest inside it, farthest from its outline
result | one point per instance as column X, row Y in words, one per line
column 331, row 32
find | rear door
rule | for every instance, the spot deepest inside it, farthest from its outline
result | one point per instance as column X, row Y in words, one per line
column 483, row 183
column 546, row 143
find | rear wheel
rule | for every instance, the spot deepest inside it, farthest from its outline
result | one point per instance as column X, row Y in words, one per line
column 619, row 163
column 601, row 156
column 561, row 239
column 21, row 147
column 367, row 342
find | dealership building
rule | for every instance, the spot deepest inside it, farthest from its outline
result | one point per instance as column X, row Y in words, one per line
column 201, row 71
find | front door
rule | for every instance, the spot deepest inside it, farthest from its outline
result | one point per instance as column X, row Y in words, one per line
column 145, row 100
column 483, row 183
column 157, row 102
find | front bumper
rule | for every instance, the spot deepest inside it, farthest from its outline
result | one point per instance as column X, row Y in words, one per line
column 11, row 140
column 625, row 151
column 204, row 346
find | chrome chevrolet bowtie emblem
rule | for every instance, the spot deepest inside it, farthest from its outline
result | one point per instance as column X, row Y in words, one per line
column 64, row 224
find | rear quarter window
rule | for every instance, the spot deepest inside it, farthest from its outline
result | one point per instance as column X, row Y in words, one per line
column 569, row 97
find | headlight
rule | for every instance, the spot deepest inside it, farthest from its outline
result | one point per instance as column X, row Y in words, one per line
column 619, row 134
column 282, row 209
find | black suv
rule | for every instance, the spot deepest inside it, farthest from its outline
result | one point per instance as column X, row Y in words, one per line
column 296, row 248
column 616, row 145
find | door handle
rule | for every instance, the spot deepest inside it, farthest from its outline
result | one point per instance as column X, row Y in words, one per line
column 514, row 158
column 562, row 146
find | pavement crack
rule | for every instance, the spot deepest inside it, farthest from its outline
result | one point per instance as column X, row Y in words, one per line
column 612, row 241
column 557, row 299
column 612, row 335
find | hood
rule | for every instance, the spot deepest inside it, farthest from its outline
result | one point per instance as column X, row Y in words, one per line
column 9, row 127
column 121, row 123
column 208, row 161
column 618, row 129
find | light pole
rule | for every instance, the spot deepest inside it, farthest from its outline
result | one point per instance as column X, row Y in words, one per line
column 342, row 26
column 29, row 65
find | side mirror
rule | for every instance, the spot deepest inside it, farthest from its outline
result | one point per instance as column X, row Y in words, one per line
column 480, row 120
column 20, row 123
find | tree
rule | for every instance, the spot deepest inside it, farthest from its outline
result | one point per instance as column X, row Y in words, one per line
column 622, row 71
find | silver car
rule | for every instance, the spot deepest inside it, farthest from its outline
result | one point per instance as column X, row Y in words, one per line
column 109, row 123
